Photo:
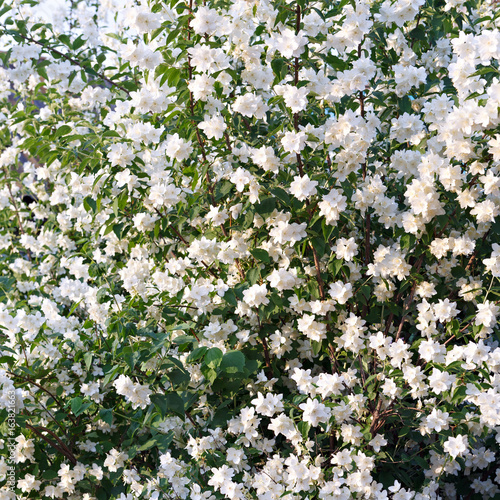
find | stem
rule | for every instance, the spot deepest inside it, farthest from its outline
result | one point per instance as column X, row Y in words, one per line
column 318, row 272
column 408, row 303
column 267, row 357
column 72, row 61
column 13, row 200
column 367, row 238
column 296, row 68
column 62, row 448
column 53, row 396
column 375, row 421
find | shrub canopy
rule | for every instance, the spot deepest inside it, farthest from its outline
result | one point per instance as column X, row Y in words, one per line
column 250, row 250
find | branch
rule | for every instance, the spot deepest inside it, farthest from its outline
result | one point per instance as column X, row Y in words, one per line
column 62, row 448
column 73, row 61
column 296, row 68
column 321, row 285
column 53, row 396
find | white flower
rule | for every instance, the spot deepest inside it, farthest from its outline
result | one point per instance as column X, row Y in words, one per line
column 290, row 44
column 220, row 476
column 205, row 20
column 314, row 330
column 213, row 127
column 332, row 205
column 178, row 148
column 487, row 314
column 345, row 248
column 377, row 442
column 241, row 178
column 340, row 292
column 440, row 381
column 294, row 142
column 255, row 296
column 282, row 279
column 445, row 310
column 295, row 98
column 268, row 405
column 314, row 412
column 303, row 187
column 437, row 420
column 456, row 446
column 251, row 105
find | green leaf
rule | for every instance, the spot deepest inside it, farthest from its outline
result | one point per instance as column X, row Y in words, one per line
column 281, row 195
column 209, row 373
column 62, row 130
column 196, row 354
column 169, row 403
column 232, row 362
column 150, row 443
column 261, row 255
column 90, row 204
column 230, row 298
column 183, row 339
column 130, row 356
column 265, row 207
column 50, row 474
column 180, row 378
column 304, row 428
column 65, row 39
column 253, row 275
column 248, row 218
column 73, row 308
column 222, row 189
column 213, row 357
column 106, row 416
column 79, row 42
column 404, row 431
column 76, row 404
column 164, row 440
column 118, row 230
column 419, row 33
column 6, row 285
column 407, row 241
column 78, row 407
column 87, row 357
column 459, row 395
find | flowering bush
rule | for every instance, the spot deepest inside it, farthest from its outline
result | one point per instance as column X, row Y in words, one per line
column 250, row 249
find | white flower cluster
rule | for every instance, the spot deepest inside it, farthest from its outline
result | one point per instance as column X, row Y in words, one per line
column 250, row 249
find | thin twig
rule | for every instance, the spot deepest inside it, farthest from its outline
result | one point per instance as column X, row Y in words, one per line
column 73, row 61
column 318, row 272
column 53, row 396
column 62, row 448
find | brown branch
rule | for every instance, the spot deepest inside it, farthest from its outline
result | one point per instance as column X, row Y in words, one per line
column 267, row 358
column 390, row 318
column 297, row 19
column 406, row 307
column 73, row 61
column 375, row 425
column 296, row 67
column 474, row 255
column 333, row 358
column 13, row 200
column 321, row 284
column 188, row 415
column 53, row 396
column 62, row 448
column 367, row 239
column 228, row 142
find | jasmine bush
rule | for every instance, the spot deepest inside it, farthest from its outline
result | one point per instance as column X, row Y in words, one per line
column 250, row 249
